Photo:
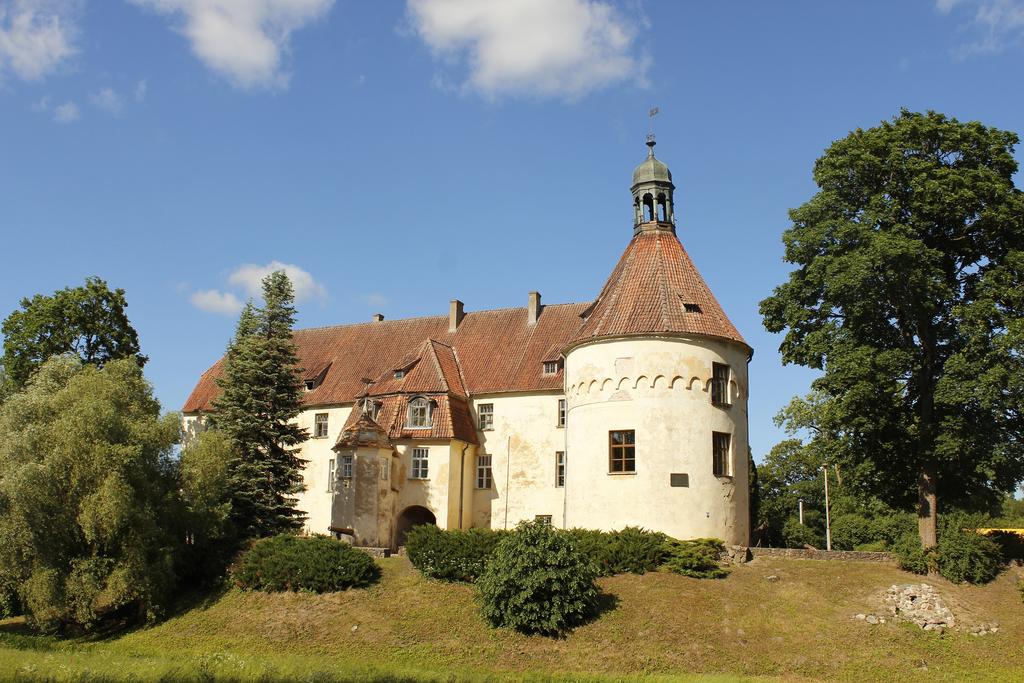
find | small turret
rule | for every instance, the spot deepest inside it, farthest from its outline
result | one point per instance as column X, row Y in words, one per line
column 653, row 206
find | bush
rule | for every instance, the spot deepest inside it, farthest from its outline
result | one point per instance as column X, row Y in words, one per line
column 966, row 556
column 632, row 550
column 1010, row 543
column 291, row 563
column 537, row 582
column 451, row 555
column 872, row 547
column 910, row 556
column 851, row 530
column 697, row 558
column 797, row 535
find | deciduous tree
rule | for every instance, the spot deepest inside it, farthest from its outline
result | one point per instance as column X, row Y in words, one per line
column 87, row 321
column 87, row 489
column 907, row 295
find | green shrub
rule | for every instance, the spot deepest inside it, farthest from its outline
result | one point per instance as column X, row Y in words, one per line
column 698, row 558
column 453, row 555
column 1011, row 544
column 291, row 563
column 537, row 582
column 910, row 556
column 632, row 550
column 595, row 545
column 851, row 530
column 872, row 547
column 797, row 535
column 966, row 556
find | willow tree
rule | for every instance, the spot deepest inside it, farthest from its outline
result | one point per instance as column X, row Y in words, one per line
column 907, row 294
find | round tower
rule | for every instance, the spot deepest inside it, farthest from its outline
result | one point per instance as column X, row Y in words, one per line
column 656, row 390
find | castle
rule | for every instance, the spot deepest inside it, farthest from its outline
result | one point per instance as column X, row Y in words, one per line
column 628, row 410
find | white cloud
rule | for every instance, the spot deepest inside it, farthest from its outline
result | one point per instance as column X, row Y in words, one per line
column 140, row 91
column 35, row 36
column 994, row 23
column 214, row 301
column 66, row 113
column 249, row 277
column 107, row 100
column 243, row 40
column 553, row 48
column 375, row 299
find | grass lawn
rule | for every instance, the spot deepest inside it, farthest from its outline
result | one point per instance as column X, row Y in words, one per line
column 657, row 627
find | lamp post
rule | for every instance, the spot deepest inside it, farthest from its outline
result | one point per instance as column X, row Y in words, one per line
column 828, row 520
column 800, row 507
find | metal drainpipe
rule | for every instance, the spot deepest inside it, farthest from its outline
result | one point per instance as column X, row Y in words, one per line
column 508, row 467
column 462, row 482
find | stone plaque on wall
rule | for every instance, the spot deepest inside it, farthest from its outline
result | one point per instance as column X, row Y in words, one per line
column 677, row 479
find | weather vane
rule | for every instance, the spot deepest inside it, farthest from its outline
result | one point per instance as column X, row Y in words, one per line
column 650, row 123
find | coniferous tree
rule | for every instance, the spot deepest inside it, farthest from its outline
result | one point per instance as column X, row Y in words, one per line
column 260, row 398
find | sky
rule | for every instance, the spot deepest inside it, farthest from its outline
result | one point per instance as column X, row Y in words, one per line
column 394, row 155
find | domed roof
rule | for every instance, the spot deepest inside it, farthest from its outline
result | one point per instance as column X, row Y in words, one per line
column 651, row 169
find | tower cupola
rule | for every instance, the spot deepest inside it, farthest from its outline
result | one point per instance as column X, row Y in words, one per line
column 653, row 206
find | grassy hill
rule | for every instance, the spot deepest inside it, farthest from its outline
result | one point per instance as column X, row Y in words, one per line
column 410, row 628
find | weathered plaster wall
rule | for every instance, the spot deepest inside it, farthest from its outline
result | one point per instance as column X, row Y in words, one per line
column 316, row 500
column 522, row 447
column 660, row 388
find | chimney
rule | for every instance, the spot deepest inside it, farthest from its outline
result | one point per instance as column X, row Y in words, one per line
column 455, row 315
column 534, row 308
column 377, row 317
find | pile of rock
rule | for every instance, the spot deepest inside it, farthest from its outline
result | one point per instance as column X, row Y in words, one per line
column 920, row 604
column 984, row 629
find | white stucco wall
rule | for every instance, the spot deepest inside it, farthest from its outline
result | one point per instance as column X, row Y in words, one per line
column 315, row 501
column 522, row 447
column 660, row 389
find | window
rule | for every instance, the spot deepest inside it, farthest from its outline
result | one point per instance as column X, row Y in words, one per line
column 622, row 451
column 320, row 426
column 691, row 308
column 399, row 374
column 419, row 463
column 310, row 384
column 486, row 416
column 374, row 409
column 483, row 472
column 543, row 519
column 330, row 474
column 559, row 469
column 420, row 413
column 550, row 367
column 561, row 412
column 385, row 469
column 720, row 443
column 719, row 384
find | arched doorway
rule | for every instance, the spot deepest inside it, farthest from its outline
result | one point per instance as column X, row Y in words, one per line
column 412, row 516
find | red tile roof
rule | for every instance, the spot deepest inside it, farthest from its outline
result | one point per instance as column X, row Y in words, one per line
column 499, row 351
column 648, row 292
column 493, row 351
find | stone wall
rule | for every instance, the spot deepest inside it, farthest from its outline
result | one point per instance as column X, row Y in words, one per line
column 807, row 554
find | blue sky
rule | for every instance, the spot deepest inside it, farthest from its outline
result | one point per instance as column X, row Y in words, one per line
column 399, row 154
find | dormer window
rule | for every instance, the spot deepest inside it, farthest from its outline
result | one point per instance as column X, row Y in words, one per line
column 691, row 308
column 420, row 414
column 550, row 367
column 310, row 384
column 399, row 374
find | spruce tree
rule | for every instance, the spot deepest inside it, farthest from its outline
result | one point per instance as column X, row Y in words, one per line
column 260, row 398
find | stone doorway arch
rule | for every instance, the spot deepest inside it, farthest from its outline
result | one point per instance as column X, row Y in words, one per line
column 414, row 515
